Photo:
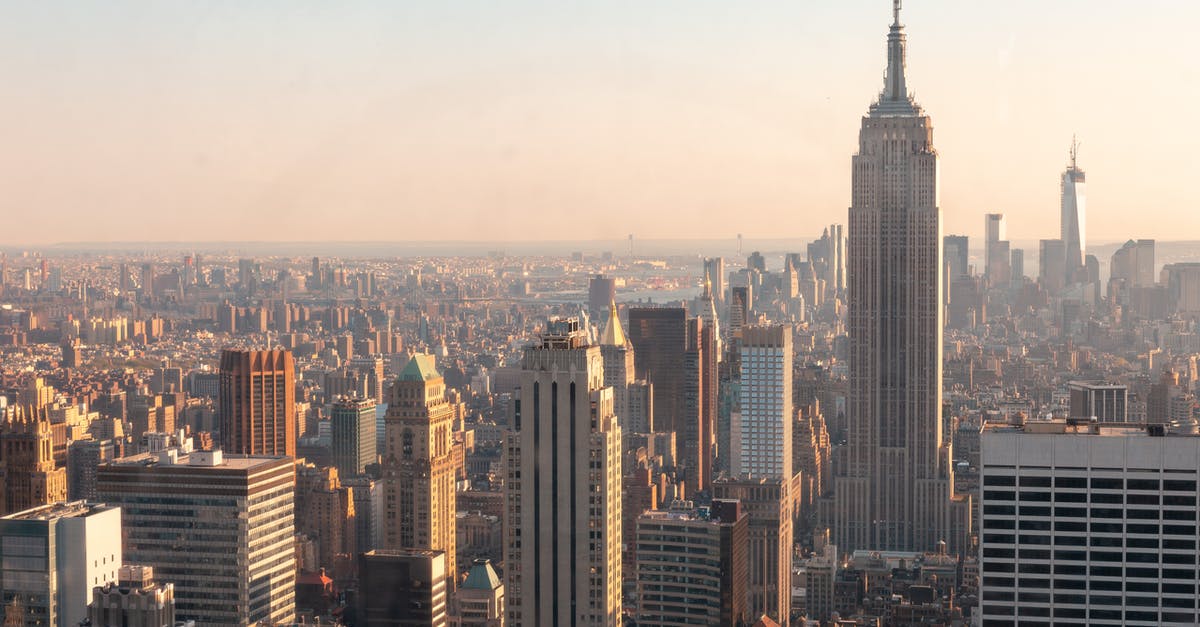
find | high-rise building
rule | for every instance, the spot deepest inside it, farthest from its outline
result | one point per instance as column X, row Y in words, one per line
column 419, row 465
column 762, row 429
column 1132, row 267
column 602, row 290
column 258, row 402
column 957, row 255
column 714, row 273
column 895, row 486
column 633, row 399
column 1104, row 402
column 995, row 238
column 1016, row 266
column 677, row 355
column 402, row 588
column 133, row 600
column 1088, row 524
column 219, row 527
column 768, row 502
column 1052, row 265
column 353, row 425
column 563, row 487
column 1074, row 218
column 29, row 475
column 691, row 566
column 52, row 555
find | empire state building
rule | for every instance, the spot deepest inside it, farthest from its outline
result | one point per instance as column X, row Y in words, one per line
column 894, row 487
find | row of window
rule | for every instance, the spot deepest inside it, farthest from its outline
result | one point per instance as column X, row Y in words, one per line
column 1095, row 483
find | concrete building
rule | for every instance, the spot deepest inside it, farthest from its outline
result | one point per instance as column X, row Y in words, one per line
column 1052, row 265
column 419, row 466
column 768, row 502
column 258, row 402
column 563, row 487
column 402, row 588
column 692, row 566
column 1088, row 524
column 1105, row 402
column 219, row 527
column 133, row 600
column 353, row 424
column 895, row 487
column 762, row 429
column 52, row 555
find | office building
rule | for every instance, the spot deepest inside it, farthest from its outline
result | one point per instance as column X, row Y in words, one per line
column 1088, row 524
column 83, row 459
column 258, row 402
column 895, row 487
column 1052, row 265
column 762, row 428
column 957, row 255
column 52, row 555
column 402, row 588
column 996, row 250
column 479, row 601
column 677, row 355
column 29, row 476
column 691, row 566
column 219, row 527
column 353, row 424
column 1073, row 232
column 602, row 290
column 768, row 504
column 714, row 273
column 1104, row 402
column 135, row 599
column 632, row 398
column 563, row 487
column 419, row 465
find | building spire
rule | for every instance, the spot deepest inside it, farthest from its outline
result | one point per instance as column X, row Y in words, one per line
column 896, row 90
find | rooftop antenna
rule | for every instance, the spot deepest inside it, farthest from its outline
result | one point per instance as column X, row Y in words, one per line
column 896, row 12
column 1074, row 148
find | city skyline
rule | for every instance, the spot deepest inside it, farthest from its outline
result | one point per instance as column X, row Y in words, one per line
column 366, row 113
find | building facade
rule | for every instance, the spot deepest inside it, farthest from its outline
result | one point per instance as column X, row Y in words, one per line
column 895, row 486
column 258, row 402
column 419, row 465
column 52, row 555
column 133, row 600
column 402, row 588
column 762, row 428
column 563, row 487
column 353, row 425
column 1088, row 524
column 220, row 528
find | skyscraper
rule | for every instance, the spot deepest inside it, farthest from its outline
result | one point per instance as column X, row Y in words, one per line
column 677, row 355
column 419, row 465
column 1074, row 217
column 221, row 528
column 29, row 476
column 54, row 554
column 632, row 398
column 894, row 488
column 714, row 272
column 563, row 487
column 258, row 402
column 1052, row 265
column 353, row 423
column 762, row 430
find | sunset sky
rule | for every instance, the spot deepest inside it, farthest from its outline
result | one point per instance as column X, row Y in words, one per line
column 576, row 119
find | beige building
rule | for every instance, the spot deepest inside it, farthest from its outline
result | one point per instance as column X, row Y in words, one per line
column 563, row 487
column 133, row 600
column 895, row 481
column 419, row 465
column 769, row 559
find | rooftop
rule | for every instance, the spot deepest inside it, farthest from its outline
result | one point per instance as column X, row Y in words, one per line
column 1083, row 427
column 70, row 509
column 421, row 367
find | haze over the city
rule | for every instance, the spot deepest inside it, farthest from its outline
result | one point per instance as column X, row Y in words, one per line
column 532, row 119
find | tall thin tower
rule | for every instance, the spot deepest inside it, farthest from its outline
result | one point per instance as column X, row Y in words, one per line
column 419, row 465
column 562, row 555
column 894, row 486
column 1074, row 217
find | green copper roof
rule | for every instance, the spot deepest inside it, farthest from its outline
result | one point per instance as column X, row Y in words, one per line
column 419, row 368
column 482, row 577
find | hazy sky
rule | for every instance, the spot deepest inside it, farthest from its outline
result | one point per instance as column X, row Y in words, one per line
column 575, row 119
